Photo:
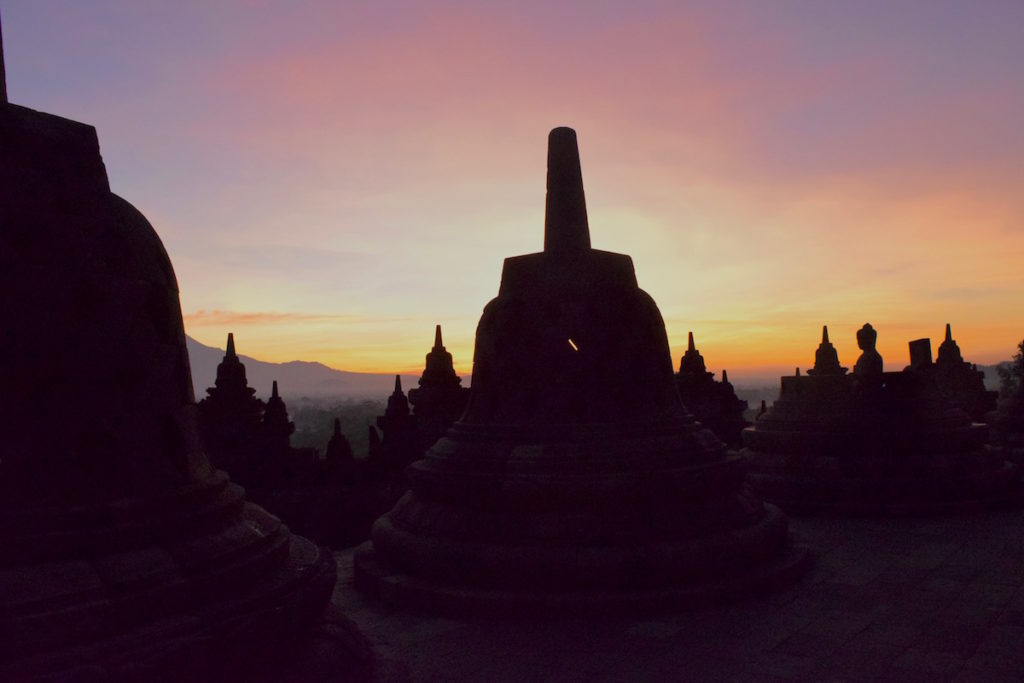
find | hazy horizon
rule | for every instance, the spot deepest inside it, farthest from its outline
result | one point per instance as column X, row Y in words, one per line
column 331, row 179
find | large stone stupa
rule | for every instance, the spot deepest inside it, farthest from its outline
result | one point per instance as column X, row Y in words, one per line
column 125, row 555
column 576, row 480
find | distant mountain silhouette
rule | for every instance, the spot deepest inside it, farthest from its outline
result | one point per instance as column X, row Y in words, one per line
column 295, row 378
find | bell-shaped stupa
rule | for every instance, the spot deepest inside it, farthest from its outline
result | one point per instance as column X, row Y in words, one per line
column 714, row 404
column 575, row 480
column 826, row 358
column 125, row 554
column 440, row 398
column 962, row 382
column 873, row 442
column 229, row 421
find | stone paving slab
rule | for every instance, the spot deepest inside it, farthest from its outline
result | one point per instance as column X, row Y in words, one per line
column 936, row 599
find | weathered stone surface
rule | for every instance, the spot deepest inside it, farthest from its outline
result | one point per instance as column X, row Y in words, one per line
column 125, row 554
column 576, row 478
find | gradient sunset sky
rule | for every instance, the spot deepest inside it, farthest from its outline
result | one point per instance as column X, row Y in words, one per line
column 332, row 178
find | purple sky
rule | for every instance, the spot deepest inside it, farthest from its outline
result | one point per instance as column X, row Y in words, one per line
column 331, row 179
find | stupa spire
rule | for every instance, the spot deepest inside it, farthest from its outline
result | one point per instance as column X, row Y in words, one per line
column 3, row 72
column 826, row 358
column 398, row 384
column 437, row 338
column 230, row 351
column 566, row 230
column 949, row 333
column 689, row 344
column 273, row 391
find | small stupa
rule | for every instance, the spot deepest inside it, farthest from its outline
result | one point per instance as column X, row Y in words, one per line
column 713, row 403
column 339, row 461
column 440, row 398
column 229, row 420
column 826, row 358
column 872, row 442
column 126, row 556
column 398, row 444
column 575, row 481
column 961, row 382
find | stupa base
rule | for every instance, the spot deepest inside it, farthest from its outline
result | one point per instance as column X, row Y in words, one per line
column 376, row 576
column 201, row 627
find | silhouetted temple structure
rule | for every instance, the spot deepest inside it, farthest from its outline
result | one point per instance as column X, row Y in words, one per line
column 873, row 442
column 229, row 420
column 250, row 439
column 440, row 398
column 962, row 382
column 714, row 404
column 575, row 480
column 398, row 445
column 1007, row 420
column 339, row 461
column 125, row 554
column 826, row 358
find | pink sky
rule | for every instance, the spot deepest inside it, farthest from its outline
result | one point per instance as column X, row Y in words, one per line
column 332, row 179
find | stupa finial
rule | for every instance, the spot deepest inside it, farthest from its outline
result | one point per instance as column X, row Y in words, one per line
column 3, row 72
column 949, row 333
column 273, row 391
column 230, row 351
column 824, row 334
column 725, row 376
column 566, row 229
column 437, row 337
column 398, row 384
column 689, row 344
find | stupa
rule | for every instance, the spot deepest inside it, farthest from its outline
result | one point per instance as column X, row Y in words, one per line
column 229, row 420
column 398, row 445
column 575, row 481
column 962, row 382
column 339, row 461
column 873, row 442
column 713, row 403
column 440, row 398
column 826, row 358
column 125, row 554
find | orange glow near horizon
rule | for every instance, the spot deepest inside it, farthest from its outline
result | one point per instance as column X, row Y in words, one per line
column 333, row 179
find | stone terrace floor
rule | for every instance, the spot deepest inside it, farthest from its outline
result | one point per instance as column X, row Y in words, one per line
column 905, row 599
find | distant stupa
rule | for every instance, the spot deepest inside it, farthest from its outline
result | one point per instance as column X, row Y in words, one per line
column 440, row 398
column 714, row 404
column 575, row 481
column 873, row 442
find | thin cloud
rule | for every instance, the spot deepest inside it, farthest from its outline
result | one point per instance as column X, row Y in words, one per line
column 219, row 318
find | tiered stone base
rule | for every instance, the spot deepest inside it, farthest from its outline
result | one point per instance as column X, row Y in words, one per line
column 598, row 523
column 384, row 581
column 198, row 585
column 828, row 447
